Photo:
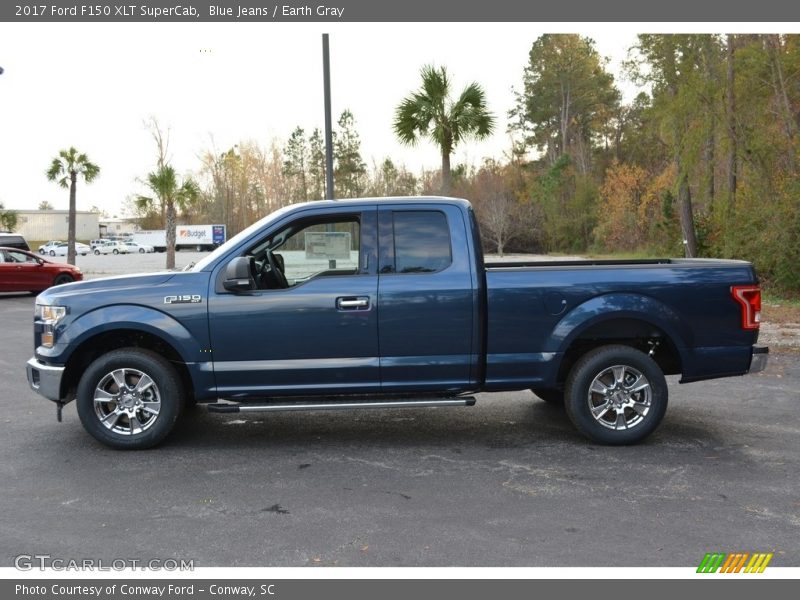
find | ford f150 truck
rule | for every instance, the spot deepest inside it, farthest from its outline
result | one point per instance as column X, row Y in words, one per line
column 388, row 303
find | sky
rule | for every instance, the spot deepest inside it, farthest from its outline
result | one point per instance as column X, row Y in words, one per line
column 93, row 86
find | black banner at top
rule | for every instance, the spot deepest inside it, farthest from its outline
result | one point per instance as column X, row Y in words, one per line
column 327, row 11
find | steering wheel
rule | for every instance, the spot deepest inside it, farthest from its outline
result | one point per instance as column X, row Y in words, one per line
column 264, row 276
column 280, row 278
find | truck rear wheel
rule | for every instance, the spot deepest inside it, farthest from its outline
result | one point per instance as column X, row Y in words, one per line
column 129, row 399
column 616, row 395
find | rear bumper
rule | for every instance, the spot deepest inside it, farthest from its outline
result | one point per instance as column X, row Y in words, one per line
column 704, row 363
column 44, row 379
column 759, row 361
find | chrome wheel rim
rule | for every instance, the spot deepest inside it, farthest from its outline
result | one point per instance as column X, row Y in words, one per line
column 620, row 397
column 127, row 401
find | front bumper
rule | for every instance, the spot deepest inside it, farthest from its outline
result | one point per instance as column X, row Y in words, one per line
column 44, row 379
column 759, row 361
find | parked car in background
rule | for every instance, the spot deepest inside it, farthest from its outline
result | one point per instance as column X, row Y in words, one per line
column 112, row 248
column 45, row 248
column 61, row 249
column 140, row 248
column 22, row 271
column 95, row 243
column 13, row 240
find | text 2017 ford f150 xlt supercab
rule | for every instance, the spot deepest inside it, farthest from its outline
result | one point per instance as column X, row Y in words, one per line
column 388, row 303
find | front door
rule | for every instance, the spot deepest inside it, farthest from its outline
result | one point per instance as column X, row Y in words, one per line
column 309, row 325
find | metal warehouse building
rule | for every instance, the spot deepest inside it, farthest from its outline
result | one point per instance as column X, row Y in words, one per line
column 43, row 225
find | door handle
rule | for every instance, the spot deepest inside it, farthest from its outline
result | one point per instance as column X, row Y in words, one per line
column 352, row 303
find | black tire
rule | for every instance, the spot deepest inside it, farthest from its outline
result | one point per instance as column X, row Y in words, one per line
column 62, row 279
column 554, row 397
column 141, row 250
column 132, row 362
column 116, row 251
column 97, row 252
column 52, row 252
column 636, row 414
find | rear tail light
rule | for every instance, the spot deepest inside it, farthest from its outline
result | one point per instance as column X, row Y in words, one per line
column 749, row 298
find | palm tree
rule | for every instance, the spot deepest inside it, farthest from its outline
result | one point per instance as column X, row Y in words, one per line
column 163, row 182
column 431, row 112
column 65, row 169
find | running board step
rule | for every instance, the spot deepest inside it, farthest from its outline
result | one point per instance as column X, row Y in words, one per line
column 229, row 407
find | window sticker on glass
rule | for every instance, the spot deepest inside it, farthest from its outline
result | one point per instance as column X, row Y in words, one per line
column 327, row 244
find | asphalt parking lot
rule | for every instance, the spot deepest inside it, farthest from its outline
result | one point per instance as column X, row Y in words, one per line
column 505, row 483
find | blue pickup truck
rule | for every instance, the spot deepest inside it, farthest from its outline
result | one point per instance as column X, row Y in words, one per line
column 383, row 304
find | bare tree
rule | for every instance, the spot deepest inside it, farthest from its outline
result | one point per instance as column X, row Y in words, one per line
column 501, row 216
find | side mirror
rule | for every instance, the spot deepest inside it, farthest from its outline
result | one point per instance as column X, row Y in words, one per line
column 237, row 275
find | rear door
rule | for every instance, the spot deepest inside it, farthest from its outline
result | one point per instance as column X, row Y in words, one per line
column 426, row 299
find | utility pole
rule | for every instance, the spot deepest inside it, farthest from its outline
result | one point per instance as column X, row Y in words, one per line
column 326, row 76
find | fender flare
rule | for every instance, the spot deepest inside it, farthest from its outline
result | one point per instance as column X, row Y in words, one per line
column 130, row 317
column 621, row 306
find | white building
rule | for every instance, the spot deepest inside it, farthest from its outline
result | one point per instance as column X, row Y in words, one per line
column 117, row 226
column 44, row 225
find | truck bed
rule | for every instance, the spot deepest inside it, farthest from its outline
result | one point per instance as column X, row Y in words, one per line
column 536, row 308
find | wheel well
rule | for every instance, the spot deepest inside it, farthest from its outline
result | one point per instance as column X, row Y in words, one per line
column 107, row 341
column 628, row 332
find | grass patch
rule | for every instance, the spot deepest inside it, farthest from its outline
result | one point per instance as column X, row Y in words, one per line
column 780, row 299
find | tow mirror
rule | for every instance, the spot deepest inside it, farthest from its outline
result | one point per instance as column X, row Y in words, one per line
column 237, row 275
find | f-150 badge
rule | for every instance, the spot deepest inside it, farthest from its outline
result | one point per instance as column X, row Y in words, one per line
column 183, row 299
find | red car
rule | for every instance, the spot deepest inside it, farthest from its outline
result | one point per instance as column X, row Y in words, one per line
column 22, row 271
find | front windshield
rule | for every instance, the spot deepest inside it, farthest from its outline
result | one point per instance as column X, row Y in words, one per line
column 242, row 235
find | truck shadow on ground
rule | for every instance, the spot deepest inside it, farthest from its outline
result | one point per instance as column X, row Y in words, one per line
column 517, row 425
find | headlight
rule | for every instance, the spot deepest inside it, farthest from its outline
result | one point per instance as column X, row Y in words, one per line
column 50, row 314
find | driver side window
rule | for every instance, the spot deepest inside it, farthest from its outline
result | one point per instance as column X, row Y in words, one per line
column 20, row 257
column 305, row 250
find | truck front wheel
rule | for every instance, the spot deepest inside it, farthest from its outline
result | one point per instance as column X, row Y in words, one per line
column 616, row 395
column 129, row 399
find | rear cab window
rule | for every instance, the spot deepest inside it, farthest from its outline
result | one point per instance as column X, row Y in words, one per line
column 421, row 242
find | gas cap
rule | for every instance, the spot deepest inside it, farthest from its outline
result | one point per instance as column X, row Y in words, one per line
column 555, row 303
